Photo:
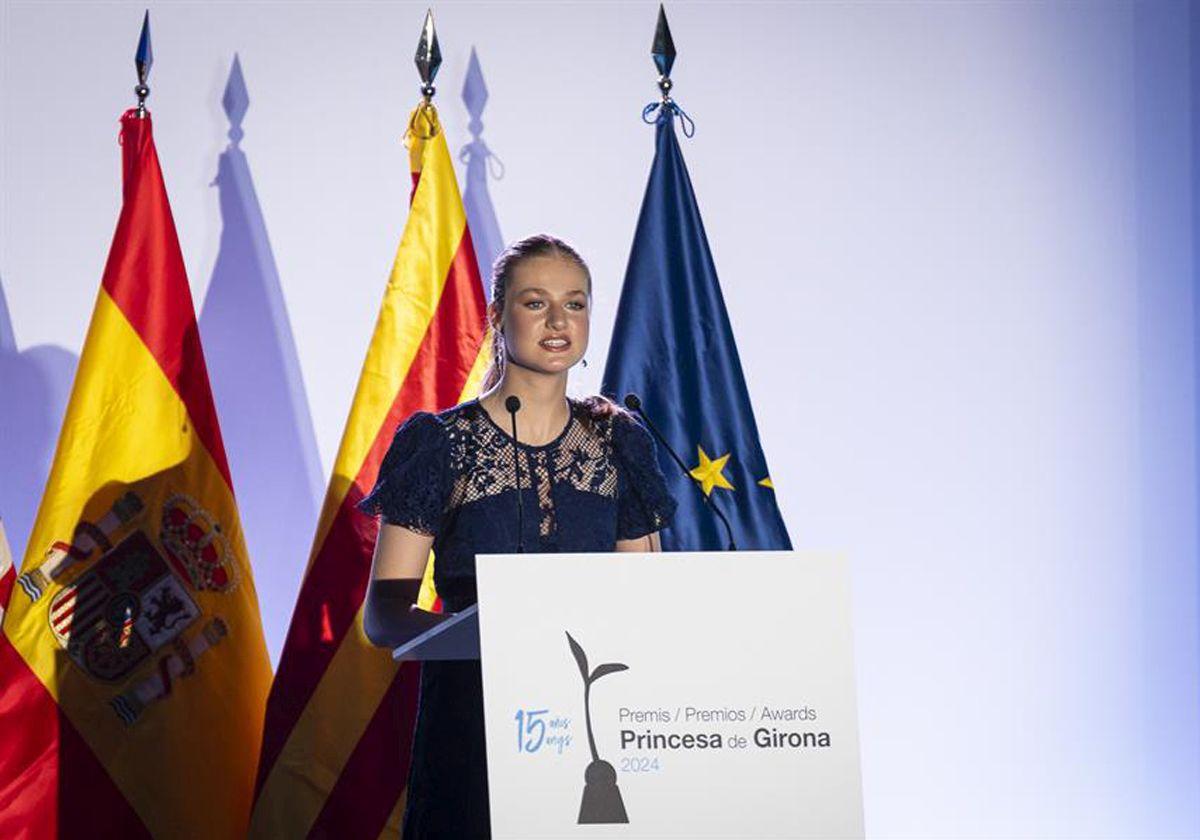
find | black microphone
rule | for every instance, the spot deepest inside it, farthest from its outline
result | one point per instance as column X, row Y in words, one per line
column 634, row 403
column 513, row 404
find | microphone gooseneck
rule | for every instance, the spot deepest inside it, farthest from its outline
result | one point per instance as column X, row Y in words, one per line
column 634, row 403
column 513, row 405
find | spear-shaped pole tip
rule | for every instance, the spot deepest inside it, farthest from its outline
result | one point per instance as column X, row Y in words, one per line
column 143, row 59
column 663, row 52
column 429, row 56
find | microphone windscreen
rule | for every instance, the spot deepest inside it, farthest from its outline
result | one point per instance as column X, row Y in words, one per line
column 632, row 402
column 513, row 404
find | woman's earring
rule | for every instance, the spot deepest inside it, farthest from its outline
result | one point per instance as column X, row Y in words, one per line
column 584, row 362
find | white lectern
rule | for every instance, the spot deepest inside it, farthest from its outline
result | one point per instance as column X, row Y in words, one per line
column 686, row 695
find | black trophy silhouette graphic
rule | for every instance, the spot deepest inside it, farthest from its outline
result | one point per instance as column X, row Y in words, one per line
column 602, row 801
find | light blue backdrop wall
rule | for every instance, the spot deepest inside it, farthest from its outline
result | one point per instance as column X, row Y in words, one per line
column 957, row 242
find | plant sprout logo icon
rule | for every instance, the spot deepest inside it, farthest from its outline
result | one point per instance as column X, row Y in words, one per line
column 601, row 797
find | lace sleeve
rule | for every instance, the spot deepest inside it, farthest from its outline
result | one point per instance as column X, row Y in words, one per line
column 410, row 489
column 643, row 503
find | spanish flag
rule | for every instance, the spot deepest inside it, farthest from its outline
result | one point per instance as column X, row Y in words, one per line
column 135, row 673
column 336, row 747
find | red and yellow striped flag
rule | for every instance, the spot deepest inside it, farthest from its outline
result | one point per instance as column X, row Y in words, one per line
column 339, row 720
column 135, row 672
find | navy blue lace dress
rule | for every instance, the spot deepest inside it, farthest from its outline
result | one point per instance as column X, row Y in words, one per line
column 451, row 476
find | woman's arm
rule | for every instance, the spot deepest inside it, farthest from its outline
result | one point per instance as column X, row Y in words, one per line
column 390, row 614
column 649, row 542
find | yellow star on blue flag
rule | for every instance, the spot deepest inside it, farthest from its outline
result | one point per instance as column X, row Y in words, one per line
column 709, row 472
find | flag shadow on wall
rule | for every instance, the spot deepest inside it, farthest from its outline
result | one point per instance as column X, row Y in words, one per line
column 480, row 162
column 258, row 387
column 34, row 386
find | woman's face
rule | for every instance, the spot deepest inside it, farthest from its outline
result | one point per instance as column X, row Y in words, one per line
column 546, row 312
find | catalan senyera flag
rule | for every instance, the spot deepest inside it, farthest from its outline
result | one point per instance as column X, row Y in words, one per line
column 134, row 669
column 336, row 745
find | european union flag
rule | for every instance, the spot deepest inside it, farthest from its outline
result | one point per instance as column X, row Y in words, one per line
column 673, row 346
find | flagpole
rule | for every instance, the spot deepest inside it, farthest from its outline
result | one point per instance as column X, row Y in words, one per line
column 428, row 58
column 663, row 52
column 142, row 60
